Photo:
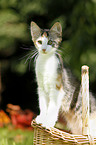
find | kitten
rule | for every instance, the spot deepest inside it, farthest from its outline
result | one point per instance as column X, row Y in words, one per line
column 58, row 91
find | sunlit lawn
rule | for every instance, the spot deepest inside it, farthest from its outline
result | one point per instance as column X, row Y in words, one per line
column 15, row 137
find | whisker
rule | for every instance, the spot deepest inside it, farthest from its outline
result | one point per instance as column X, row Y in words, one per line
column 67, row 51
column 57, row 53
column 33, row 51
column 32, row 47
column 31, row 56
column 65, row 59
column 66, row 55
column 24, row 56
column 35, row 55
column 35, row 58
column 26, row 48
column 27, row 59
column 59, row 50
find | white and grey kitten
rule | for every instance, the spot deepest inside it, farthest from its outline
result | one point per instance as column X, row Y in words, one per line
column 58, row 90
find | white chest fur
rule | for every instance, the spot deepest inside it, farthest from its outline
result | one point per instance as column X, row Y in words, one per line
column 49, row 97
column 46, row 71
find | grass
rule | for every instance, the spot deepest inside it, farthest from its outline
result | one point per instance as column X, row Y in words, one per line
column 15, row 137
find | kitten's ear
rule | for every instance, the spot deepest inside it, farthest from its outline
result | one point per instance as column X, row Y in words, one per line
column 35, row 31
column 57, row 28
column 56, row 32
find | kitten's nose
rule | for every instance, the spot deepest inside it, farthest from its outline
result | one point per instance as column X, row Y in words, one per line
column 43, row 50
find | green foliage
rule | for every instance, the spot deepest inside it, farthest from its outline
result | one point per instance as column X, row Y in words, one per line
column 15, row 137
column 78, row 19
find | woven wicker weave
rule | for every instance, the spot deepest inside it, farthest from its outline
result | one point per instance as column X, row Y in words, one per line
column 54, row 136
column 43, row 136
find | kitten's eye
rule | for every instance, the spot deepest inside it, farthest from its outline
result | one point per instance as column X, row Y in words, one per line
column 40, row 42
column 49, row 42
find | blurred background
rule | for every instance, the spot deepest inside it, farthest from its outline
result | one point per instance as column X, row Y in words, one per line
column 17, row 77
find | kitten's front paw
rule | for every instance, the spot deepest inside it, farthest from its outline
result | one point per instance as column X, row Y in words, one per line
column 39, row 119
column 48, row 124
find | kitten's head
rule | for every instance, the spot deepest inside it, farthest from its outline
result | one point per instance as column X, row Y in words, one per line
column 46, row 41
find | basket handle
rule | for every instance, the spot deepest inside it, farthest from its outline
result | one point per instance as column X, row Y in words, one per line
column 85, row 100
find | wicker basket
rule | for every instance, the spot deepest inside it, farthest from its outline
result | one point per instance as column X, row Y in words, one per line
column 54, row 136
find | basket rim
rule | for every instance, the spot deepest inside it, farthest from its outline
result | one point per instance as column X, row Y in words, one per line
column 64, row 136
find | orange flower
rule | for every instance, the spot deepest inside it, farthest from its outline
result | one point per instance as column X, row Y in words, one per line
column 4, row 119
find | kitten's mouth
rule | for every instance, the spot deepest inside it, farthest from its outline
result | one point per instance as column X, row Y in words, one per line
column 44, row 52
